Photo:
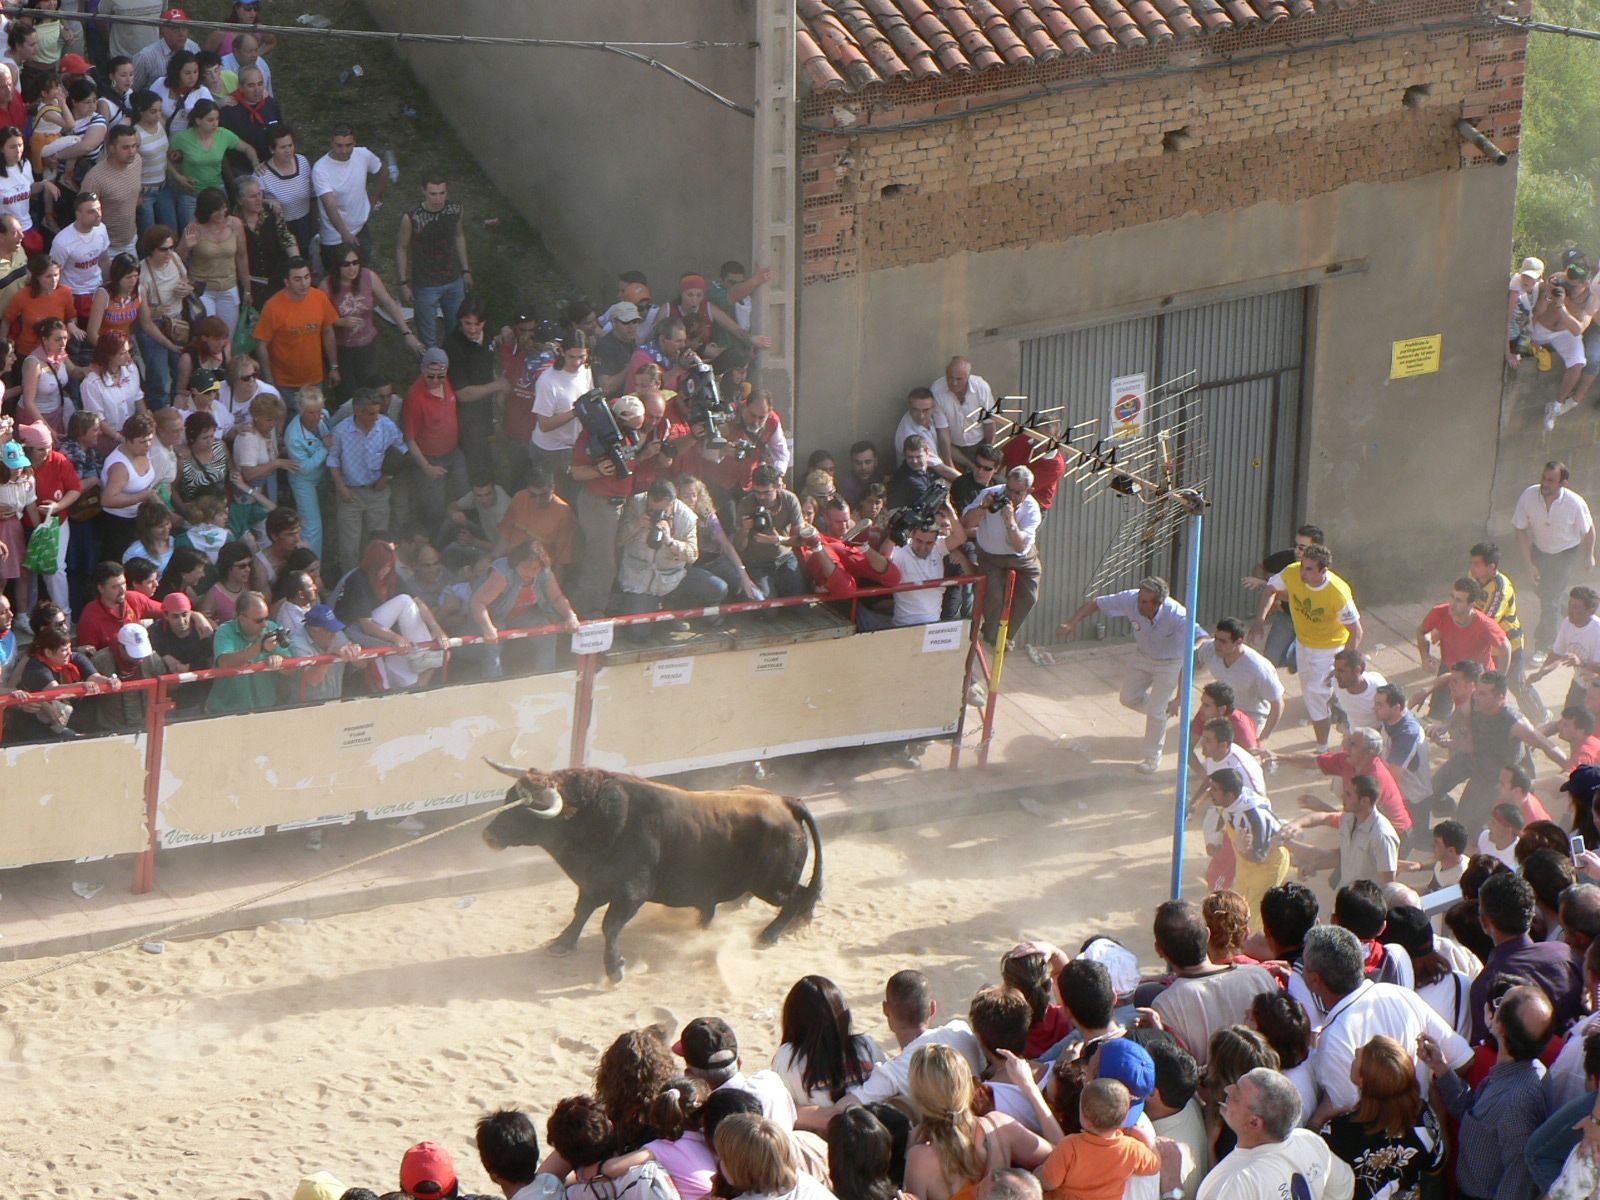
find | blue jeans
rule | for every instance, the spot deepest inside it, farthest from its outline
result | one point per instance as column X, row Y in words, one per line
column 185, row 214
column 781, row 577
column 1548, row 1146
column 448, row 298
column 158, row 206
column 699, row 589
column 160, row 369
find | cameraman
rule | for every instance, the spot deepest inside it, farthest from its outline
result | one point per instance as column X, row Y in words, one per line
column 918, row 471
column 756, row 422
column 1560, row 319
column 768, row 517
column 605, row 489
column 659, row 542
column 920, row 560
column 1006, row 519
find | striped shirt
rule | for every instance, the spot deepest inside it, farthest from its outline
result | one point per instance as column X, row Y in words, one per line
column 1500, row 602
column 1496, row 1121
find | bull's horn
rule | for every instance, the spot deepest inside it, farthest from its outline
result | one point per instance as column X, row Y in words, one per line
column 553, row 803
column 514, row 772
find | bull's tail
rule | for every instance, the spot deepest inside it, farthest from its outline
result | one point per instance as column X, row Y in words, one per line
column 802, row 905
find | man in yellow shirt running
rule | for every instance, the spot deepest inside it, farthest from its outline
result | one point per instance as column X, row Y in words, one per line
column 1325, row 621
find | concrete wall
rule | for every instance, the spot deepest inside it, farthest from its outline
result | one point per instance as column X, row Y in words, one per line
column 619, row 166
column 1409, row 461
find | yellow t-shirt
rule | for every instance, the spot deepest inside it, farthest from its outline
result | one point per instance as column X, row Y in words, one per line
column 1319, row 614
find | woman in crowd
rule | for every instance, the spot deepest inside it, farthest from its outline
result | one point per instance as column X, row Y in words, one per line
column 197, row 156
column 181, row 90
column 115, row 307
column 756, row 1158
column 47, row 375
column 861, row 1156
column 203, row 466
column 1227, row 916
column 18, row 500
column 355, row 291
column 82, row 449
column 158, row 198
column 380, row 614
column 234, row 565
column 1445, row 989
column 520, row 592
column 129, row 479
column 679, row 1147
column 286, row 179
column 635, row 1067
column 208, row 351
column 111, row 384
column 718, row 554
column 819, row 1056
column 18, row 187
column 307, row 440
column 1026, row 967
column 52, row 662
column 41, row 297
column 1280, row 1020
column 1234, row 1051
column 214, row 252
column 56, row 37
column 184, row 572
column 241, row 384
column 257, row 450
column 954, row 1151
column 152, row 525
column 1391, row 1140
column 89, row 127
column 268, row 243
column 242, row 12
column 164, row 292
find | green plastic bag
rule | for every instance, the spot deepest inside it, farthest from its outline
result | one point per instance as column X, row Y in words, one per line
column 244, row 333
column 44, row 548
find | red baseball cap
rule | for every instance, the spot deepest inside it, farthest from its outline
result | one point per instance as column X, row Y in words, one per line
column 174, row 14
column 427, row 1171
column 74, row 64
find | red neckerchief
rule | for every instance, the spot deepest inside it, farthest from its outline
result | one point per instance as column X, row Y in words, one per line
column 253, row 109
column 1375, row 955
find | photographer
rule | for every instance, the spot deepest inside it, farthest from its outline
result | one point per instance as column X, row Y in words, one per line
column 659, row 542
column 755, row 422
column 606, row 487
column 1560, row 320
column 769, row 515
column 1005, row 519
column 249, row 638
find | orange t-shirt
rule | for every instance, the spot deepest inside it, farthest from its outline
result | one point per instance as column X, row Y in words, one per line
column 1092, row 1166
column 33, row 309
column 292, row 330
column 554, row 526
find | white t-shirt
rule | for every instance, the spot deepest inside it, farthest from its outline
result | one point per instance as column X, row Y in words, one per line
column 1451, row 998
column 1254, row 680
column 1563, row 1082
column 1559, row 527
column 889, row 1078
column 956, row 415
column 79, row 255
column 347, row 181
column 1360, row 707
column 907, row 427
column 15, row 190
column 776, row 1103
column 1195, row 1007
column 1301, row 1166
column 240, row 413
column 113, row 398
column 1582, row 641
column 554, row 394
column 992, row 537
column 1187, row 1129
column 1371, row 1009
column 922, row 607
column 1507, row 856
column 791, row 1068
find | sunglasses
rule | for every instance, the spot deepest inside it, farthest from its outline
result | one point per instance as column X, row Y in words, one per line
column 167, row 249
column 247, row 379
column 351, row 262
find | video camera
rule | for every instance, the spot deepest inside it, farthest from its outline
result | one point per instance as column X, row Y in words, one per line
column 703, row 399
column 924, row 514
column 610, row 439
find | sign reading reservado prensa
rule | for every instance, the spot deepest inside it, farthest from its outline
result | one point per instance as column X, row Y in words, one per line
column 1415, row 356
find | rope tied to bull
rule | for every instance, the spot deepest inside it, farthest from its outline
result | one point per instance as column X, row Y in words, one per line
column 262, row 898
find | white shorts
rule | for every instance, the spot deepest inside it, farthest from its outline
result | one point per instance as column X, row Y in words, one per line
column 1568, row 345
column 1316, row 680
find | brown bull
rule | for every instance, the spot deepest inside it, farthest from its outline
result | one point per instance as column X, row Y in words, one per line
column 627, row 841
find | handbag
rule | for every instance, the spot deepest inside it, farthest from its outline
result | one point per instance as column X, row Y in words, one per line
column 44, row 548
column 244, row 333
column 176, row 329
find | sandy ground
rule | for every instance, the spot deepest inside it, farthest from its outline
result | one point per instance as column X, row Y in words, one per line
column 228, row 1066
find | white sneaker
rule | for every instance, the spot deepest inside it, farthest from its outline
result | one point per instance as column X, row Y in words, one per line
column 1551, row 412
column 1566, row 406
column 1150, row 765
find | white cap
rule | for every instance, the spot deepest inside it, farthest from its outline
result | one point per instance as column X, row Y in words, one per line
column 1533, row 267
column 624, row 310
column 135, row 642
column 1118, row 961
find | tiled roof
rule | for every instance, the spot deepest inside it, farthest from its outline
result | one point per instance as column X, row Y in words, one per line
column 850, row 44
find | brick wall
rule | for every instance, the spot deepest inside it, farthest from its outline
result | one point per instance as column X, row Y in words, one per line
column 1143, row 136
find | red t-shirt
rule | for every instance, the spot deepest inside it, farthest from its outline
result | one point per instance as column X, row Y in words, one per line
column 523, row 370
column 98, row 625
column 1390, row 802
column 1587, row 752
column 1047, row 472
column 1532, row 809
column 1244, row 730
column 601, row 485
column 55, row 477
column 430, row 421
column 1474, row 643
column 1047, row 1031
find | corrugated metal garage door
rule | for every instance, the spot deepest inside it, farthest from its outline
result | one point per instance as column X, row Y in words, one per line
column 1248, row 356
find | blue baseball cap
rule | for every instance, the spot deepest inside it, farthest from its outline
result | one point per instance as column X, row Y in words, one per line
column 322, row 617
column 14, row 456
column 1130, row 1065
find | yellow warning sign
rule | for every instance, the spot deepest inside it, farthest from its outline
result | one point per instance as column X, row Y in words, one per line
column 1415, row 356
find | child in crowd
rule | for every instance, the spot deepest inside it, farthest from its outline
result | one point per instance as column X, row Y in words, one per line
column 1097, row 1163
column 1449, row 854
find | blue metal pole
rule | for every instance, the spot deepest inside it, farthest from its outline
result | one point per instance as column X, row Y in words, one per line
column 1191, row 600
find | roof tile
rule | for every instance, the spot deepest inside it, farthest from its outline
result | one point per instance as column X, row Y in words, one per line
column 815, row 63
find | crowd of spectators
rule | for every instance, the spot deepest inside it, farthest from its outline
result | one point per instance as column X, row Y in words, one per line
column 199, row 433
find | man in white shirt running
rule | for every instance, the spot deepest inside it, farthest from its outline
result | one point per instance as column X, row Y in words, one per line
column 1554, row 532
column 339, row 180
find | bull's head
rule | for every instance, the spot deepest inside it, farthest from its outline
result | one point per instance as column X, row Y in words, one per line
column 538, row 800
